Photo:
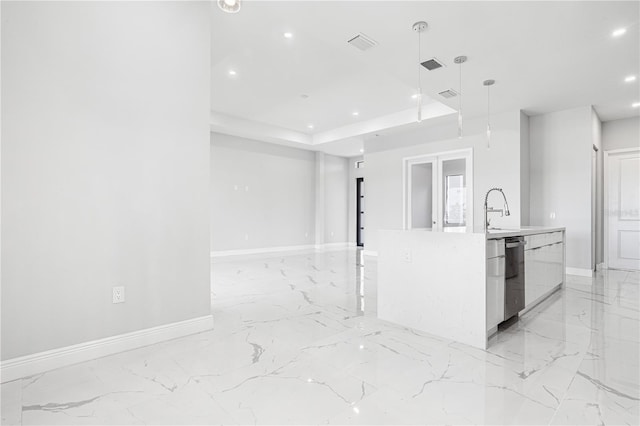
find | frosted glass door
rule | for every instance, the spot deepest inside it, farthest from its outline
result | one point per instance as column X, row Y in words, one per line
column 422, row 195
column 454, row 192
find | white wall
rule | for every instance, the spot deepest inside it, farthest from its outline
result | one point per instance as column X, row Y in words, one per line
column 596, row 134
column 265, row 195
column 560, row 161
column 336, row 187
column 621, row 134
column 497, row 166
column 262, row 194
column 525, row 193
column 105, row 168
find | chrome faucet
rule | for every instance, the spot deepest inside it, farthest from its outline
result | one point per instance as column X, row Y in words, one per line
column 488, row 209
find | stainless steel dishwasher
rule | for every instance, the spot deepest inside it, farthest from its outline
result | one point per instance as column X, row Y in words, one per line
column 514, row 276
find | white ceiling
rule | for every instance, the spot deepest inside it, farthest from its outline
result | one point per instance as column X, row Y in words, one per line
column 544, row 56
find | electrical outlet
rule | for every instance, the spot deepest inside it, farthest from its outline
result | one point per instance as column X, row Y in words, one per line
column 406, row 255
column 118, row 294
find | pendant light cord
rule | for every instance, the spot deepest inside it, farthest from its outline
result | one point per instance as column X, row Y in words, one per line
column 488, row 117
column 419, row 51
column 460, row 100
column 489, row 108
column 460, row 88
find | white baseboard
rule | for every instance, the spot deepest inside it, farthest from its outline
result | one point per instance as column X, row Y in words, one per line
column 580, row 271
column 370, row 253
column 29, row 365
column 329, row 246
column 263, row 250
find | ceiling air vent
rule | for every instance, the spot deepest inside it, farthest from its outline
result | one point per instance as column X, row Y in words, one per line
column 362, row 42
column 432, row 64
column 449, row 93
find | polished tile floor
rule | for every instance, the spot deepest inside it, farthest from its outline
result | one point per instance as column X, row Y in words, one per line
column 297, row 341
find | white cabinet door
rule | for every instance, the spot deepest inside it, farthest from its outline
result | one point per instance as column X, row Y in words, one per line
column 534, row 275
column 556, row 264
column 544, row 270
column 495, row 291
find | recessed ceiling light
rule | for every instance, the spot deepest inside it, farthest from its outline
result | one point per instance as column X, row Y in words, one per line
column 310, row 126
column 288, row 35
column 229, row 6
column 635, row 104
column 630, row 78
column 232, row 73
column 619, row 32
column 414, row 96
column 355, row 113
column 361, row 150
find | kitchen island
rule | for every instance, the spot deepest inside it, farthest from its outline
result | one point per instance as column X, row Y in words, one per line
column 451, row 283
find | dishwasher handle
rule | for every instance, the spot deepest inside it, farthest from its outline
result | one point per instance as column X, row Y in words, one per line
column 515, row 244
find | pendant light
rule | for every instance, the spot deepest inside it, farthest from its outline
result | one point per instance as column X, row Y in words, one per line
column 419, row 27
column 229, row 6
column 460, row 60
column 489, row 83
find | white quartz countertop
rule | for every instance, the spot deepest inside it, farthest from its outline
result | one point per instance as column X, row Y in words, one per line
column 493, row 234
column 525, row 230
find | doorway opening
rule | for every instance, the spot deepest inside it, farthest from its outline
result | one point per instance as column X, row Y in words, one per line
column 438, row 190
column 360, row 212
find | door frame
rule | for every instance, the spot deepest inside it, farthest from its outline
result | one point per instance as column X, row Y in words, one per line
column 605, row 204
column 359, row 229
column 436, row 158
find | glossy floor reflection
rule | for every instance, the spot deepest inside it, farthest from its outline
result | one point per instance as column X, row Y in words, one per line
column 297, row 341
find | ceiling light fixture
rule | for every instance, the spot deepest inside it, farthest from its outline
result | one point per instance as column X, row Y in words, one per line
column 414, row 96
column 288, row 35
column 355, row 113
column 419, row 27
column 489, row 83
column 460, row 60
column 232, row 73
column 619, row 32
column 229, row 6
column 630, row 78
column 361, row 150
column 310, row 126
column 635, row 105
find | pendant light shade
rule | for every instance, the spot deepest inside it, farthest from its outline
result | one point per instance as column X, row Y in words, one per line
column 230, row 6
column 460, row 60
column 419, row 27
column 489, row 83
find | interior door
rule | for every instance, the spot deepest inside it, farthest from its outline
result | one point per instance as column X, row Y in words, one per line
column 623, row 209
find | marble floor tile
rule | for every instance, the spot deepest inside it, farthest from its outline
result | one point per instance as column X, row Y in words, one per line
column 296, row 340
